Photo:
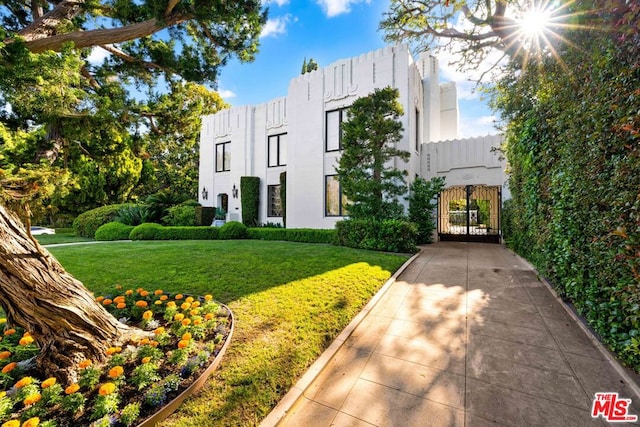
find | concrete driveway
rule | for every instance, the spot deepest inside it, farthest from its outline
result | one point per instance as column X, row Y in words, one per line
column 466, row 336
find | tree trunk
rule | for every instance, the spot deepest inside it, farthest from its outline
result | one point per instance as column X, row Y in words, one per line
column 59, row 312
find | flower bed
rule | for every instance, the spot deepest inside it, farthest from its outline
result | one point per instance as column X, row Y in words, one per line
column 137, row 381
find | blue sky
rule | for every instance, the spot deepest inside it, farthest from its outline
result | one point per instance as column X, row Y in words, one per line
column 328, row 30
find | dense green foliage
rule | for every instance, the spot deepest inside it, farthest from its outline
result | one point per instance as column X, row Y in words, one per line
column 184, row 215
column 423, row 199
column 304, row 235
column 153, row 231
column 389, row 235
column 114, row 231
column 204, row 215
column 369, row 137
column 134, row 215
column 232, row 230
column 86, row 224
column 573, row 145
column 250, row 200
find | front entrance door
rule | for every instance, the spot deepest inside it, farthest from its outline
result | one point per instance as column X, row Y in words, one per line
column 470, row 214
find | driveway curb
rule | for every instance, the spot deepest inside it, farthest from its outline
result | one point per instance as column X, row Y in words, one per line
column 296, row 392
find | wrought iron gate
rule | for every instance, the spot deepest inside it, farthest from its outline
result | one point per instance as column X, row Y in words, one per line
column 470, row 214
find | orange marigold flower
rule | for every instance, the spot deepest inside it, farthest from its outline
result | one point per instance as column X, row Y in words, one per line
column 121, row 305
column 183, row 343
column 31, row 422
column 164, row 298
column 24, row 381
column 197, row 321
column 195, row 304
column 141, row 303
column 107, row 301
column 5, row 355
column 158, row 292
column 159, row 330
column 48, row 382
column 31, row 399
column 118, row 287
column 189, row 299
column 100, row 298
column 179, row 296
column 11, row 423
column 25, row 340
column 129, row 292
column 154, row 343
column 139, row 290
column 119, row 299
column 71, row 389
column 186, row 336
column 9, row 367
column 106, row 388
column 116, row 371
column 10, row 332
column 171, row 304
column 147, row 315
column 113, row 350
column 208, row 316
column 144, row 341
column 144, row 293
column 146, row 359
column 208, row 297
column 158, row 302
column 186, row 322
column 185, row 306
column 194, row 312
column 86, row 363
column 178, row 317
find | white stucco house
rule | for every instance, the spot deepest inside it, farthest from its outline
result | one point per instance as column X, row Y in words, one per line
column 300, row 133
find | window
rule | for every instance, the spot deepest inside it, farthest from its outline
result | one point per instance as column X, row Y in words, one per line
column 274, row 201
column 417, row 130
column 277, row 150
column 333, row 129
column 335, row 201
column 223, row 157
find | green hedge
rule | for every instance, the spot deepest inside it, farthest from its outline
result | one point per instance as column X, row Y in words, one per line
column 86, row 224
column 387, row 235
column 232, row 230
column 152, row 231
column 250, row 200
column 302, row 235
column 204, row 215
column 114, row 231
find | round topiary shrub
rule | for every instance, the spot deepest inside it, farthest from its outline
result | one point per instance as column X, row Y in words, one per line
column 147, row 231
column 233, row 230
column 114, row 231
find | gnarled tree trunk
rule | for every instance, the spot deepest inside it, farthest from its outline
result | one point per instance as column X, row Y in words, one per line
column 59, row 312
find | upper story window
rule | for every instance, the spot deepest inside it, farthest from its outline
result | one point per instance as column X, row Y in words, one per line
column 277, row 150
column 223, row 157
column 333, row 131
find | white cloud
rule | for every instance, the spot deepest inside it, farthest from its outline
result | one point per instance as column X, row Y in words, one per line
column 278, row 2
column 478, row 126
column 275, row 26
column 97, row 56
column 225, row 93
column 337, row 7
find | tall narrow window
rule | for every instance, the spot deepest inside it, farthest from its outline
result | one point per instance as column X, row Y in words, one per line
column 333, row 131
column 417, row 130
column 274, row 201
column 335, row 200
column 277, row 150
column 223, row 157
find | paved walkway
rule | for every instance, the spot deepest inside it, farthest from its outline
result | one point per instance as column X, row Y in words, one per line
column 466, row 336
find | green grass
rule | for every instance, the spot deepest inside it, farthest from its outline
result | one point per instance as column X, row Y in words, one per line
column 290, row 301
column 64, row 235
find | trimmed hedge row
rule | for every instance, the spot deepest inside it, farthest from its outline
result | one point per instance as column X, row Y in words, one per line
column 114, row 231
column 388, row 235
column 152, row 231
column 302, row 235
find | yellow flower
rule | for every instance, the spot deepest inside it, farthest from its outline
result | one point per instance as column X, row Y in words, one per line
column 189, row 300
column 186, row 322
column 31, row 422
column 183, row 343
column 158, row 292
column 25, row 340
column 5, row 355
column 31, row 399
column 116, row 371
column 2, row 394
column 158, row 302
column 71, row 389
column 106, row 388
column 48, row 382
column 9, row 367
column 118, row 287
column 12, row 423
column 171, row 304
column 179, row 296
column 178, row 317
column 186, row 336
column 113, row 350
column 208, row 316
column 194, row 312
column 146, row 359
column 185, row 306
column 147, row 315
column 24, row 381
column 107, row 302
column 85, row 363
column 195, row 304
column 141, row 303
column 121, row 305
column 159, row 330
column 129, row 292
column 197, row 321
column 9, row 332
column 208, row 297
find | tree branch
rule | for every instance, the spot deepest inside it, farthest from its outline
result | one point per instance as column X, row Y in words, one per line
column 46, row 25
column 170, row 6
column 130, row 59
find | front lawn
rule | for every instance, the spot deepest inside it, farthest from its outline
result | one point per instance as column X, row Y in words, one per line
column 290, row 300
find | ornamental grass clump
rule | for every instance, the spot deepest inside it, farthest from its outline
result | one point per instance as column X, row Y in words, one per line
column 137, row 378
